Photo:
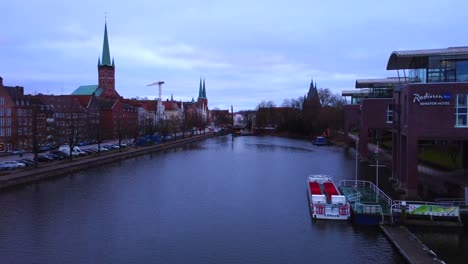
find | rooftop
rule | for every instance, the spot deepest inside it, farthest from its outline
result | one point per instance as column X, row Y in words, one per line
column 414, row 59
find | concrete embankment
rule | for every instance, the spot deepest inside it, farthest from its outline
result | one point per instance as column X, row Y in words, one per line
column 48, row 171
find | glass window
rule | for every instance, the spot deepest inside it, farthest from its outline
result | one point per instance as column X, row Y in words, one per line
column 2, row 101
column 8, row 112
column 8, row 132
column 462, row 71
column 389, row 113
column 1, row 121
column 2, row 131
column 1, row 111
column 461, row 111
column 8, row 122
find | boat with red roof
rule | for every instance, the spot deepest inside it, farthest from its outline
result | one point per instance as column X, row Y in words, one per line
column 325, row 200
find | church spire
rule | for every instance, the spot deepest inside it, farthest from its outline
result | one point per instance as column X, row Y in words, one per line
column 204, row 90
column 200, row 91
column 105, row 49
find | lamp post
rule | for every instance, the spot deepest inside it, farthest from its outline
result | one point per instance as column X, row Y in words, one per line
column 376, row 154
column 357, row 157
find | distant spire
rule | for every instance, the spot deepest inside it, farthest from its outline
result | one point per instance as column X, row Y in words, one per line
column 113, row 64
column 98, row 61
column 204, row 90
column 172, row 98
column 200, row 95
column 193, row 101
column 105, row 49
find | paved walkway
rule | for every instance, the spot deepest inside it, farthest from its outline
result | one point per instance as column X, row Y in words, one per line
column 410, row 247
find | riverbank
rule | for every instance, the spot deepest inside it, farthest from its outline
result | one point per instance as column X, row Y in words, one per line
column 48, row 171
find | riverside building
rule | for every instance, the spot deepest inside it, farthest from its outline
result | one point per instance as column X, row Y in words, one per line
column 429, row 109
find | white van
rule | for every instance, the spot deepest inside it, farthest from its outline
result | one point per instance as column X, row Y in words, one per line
column 76, row 150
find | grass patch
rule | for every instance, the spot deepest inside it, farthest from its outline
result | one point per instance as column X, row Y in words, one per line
column 440, row 158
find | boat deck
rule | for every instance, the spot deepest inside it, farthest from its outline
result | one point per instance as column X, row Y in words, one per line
column 367, row 196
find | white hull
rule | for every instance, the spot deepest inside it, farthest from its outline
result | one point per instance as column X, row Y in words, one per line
column 325, row 200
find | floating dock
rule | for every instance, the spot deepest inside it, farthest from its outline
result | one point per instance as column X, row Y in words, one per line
column 409, row 246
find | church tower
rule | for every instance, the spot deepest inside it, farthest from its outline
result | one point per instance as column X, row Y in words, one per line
column 106, row 70
column 202, row 94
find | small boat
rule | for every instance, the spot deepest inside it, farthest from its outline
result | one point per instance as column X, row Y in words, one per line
column 325, row 200
column 320, row 141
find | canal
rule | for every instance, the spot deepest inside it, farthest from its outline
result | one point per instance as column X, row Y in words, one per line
column 222, row 200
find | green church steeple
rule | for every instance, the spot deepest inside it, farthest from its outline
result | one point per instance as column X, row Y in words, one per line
column 106, row 60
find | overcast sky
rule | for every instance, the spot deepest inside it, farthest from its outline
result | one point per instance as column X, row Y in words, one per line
column 247, row 50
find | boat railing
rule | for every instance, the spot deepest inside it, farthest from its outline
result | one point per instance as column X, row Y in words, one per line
column 361, row 183
column 354, row 198
column 369, row 209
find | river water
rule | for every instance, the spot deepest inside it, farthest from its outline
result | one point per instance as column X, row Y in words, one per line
column 221, row 200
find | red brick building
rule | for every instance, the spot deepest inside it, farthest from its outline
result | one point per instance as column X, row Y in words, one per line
column 118, row 117
column 425, row 107
column 430, row 107
column 370, row 111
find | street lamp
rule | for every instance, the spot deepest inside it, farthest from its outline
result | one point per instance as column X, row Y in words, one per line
column 357, row 157
column 376, row 154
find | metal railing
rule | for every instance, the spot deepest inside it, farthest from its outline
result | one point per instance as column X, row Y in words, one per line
column 360, row 183
column 368, row 208
column 354, row 198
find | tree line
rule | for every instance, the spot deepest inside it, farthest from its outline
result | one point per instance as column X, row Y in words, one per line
column 302, row 116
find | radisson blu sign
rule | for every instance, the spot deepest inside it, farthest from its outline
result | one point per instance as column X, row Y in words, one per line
column 432, row 99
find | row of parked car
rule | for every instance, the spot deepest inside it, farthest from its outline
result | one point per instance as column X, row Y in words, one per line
column 61, row 153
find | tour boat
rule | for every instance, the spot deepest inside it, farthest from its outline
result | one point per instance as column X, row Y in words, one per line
column 326, row 201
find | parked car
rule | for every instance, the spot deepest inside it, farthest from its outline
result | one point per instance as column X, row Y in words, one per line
column 76, row 150
column 103, row 149
column 59, row 153
column 28, row 162
column 44, row 158
column 4, row 167
column 54, row 156
column 89, row 151
column 13, row 164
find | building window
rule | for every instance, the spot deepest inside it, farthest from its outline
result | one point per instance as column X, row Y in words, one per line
column 8, row 122
column 461, row 111
column 1, row 111
column 2, row 101
column 2, row 132
column 20, row 131
column 8, row 112
column 1, row 121
column 389, row 113
column 8, row 132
